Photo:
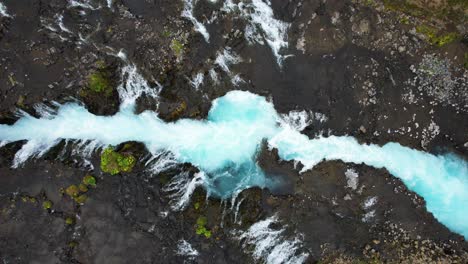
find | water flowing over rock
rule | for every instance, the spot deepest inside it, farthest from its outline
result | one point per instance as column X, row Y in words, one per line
column 239, row 122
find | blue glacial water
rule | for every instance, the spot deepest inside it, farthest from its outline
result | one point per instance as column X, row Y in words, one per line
column 225, row 145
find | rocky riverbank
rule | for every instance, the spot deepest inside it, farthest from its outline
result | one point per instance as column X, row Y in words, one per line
column 378, row 70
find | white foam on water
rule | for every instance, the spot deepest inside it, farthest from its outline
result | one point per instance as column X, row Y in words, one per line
column 121, row 54
column 352, row 178
column 271, row 245
column 181, row 188
column 322, row 118
column 275, row 31
column 47, row 24
column 82, row 3
column 3, row 10
column 32, row 149
column 214, row 76
column 369, row 202
column 134, row 86
column 297, row 120
column 61, row 25
column 161, row 161
column 185, row 249
column 3, row 143
column 235, row 207
column 368, row 216
column 45, row 111
column 224, row 148
column 441, row 180
column 252, row 35
column 236, row 80
column 188, row 13
column 260, row 15
column 229, row 6
column 226, row 58
column 368, row 206
column 197, row 80
column 85, row 148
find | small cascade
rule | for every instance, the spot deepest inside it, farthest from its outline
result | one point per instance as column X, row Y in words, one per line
column 188, row 13
column 272, row 245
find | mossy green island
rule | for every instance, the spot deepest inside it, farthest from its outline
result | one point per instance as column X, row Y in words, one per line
column 99, row 82
column 201, row 227
column 113, row 162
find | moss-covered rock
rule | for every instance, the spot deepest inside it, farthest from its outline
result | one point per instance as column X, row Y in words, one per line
column 69, row 221
column 201, row 227
column 114, row 162
column 99, row 82
column 436, row 38
column 99, row 92
column 72, row 191
column 47, row 205
column 177, row 47
column 81, row 199
column 451, row 10
column 438, row 19
column 89, row 180
column 83, row 188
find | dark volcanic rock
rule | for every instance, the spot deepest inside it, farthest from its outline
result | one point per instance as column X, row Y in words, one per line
column 377, row 70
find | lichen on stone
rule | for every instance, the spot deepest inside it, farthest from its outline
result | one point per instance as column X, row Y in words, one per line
column 436, row 76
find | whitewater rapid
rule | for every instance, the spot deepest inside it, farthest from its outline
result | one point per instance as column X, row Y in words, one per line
column 225, row 145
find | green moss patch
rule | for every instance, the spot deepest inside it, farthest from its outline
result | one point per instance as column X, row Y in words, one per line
column 113, row 162
column 69, row 221
column 47, row 205
column 76, row 193
column 100, row 82
column 451, row 10
column 404, row 6
column 177, row 47
column 166, row 33
column 72, row 191
column 435, row 38
column 81, row 199
column 83, row 188
column 201, row 227
column 89, row 181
